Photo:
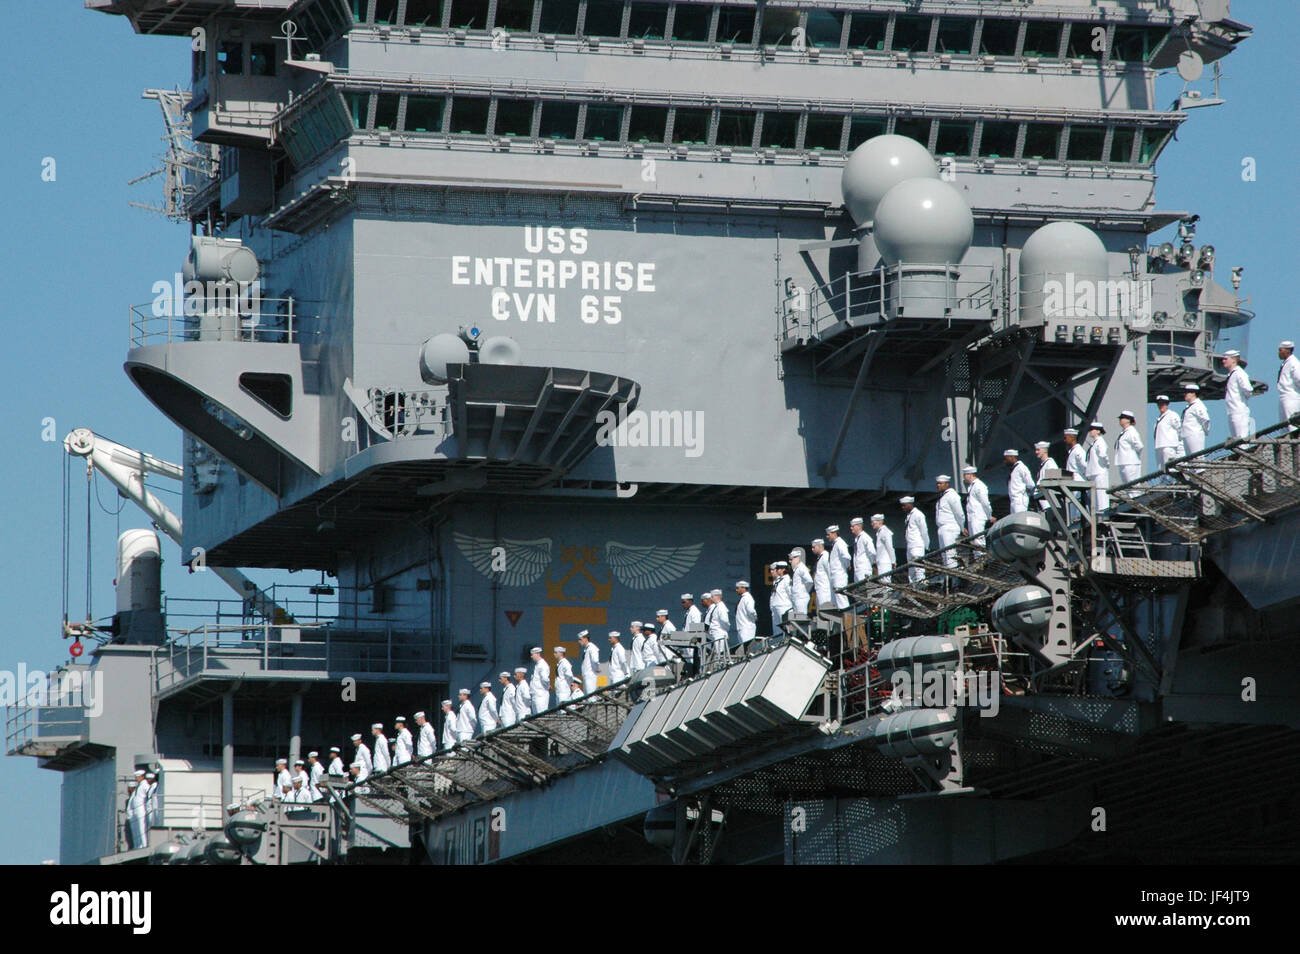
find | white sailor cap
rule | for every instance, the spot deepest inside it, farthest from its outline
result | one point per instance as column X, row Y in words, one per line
column 377, row 725
column 1011, row 452
column 745, row 583
column 585, row 632
column 296, row 762
column 465, row 692
column 970, row 469
column 716, row 593
column 521, row 669
column 647, row 626
column 833, row 528
column 1290, row 345
column 661, row 612
column 796, row 552
column 356, row 737
column 1096, row 426
column 855, row 522
column 1042, row 445
column 819, row 542
column 399, row 718
column 635, row 622
column 1162, row 398
column 1232, row 353
column 234, row 807
column 877, row 516
column 277, row 761
column 313, row 755
column 535, row 649
column 907, row 500
column 485, row 685
column 151, row 775
column 687, row 596
column 420, row 714
column 943, row 479
column 503, row 675
column 1071, row 430
column 140, row 773
column 297, row 779
column 782, row 564
column 1129, row 414
column 335, row 748
column 615, row 634
column 561, row 650
column 1193, row 388
column 446, row 702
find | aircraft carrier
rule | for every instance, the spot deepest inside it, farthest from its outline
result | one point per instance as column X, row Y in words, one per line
column 547, row 311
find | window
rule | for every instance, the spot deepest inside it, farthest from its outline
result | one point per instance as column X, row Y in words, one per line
column 261, row 59
column 424, row 13
column 469, row 115
column 867, row 31
column 359, row 10
column 911, row 34
column 1042, row 39
column 1086, row 144
column 954, row 138
column 514, row 117
column 469, row 14
column 230, row 59
column 648, row 21
column 954, row 35
column 515, row 15
column 273, row 390
column 559, row 120
column 735, row 25
column 358, row 107
column 1121, row 144
column 780, row 130
column 998, row 38
column 862, row 128
column 1153, row 140
column 998, row 140
column 1135, row 44
column 603, row 123
column 779, row 24
column 824, row 28
column 691, row 126
column 559, row 17
column 736, row 128
column 823, row 132
column 913, row 128
column 386, row 111
column 424, row 114
column 386, row 12
column 1084, row 42
column 647, row 124
column 691, row 23
column 1042, row 141
column 604, row 18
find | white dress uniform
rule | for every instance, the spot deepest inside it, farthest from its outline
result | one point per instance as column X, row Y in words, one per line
column 541, row 686
column 1167, row 437
column 523, row 701
column 779, row 603
column 654, row 653
column 916, row 540
column 617, row 664
column 563, row 679
column 1076, row 462
column 362, row 755
column 747, row 617
column 283, row 780
column 426, row 742
column 449, row 735
column 137, row 814
column 402, row 747
column 667, row 630
column 822, row 582
column 884, row 549
column 1097, row 469
column 948, row 518
column 1238, row 393
column 466, row 722
column 636, row 658
column 1043, row 468
column 487, row 713
column 591, row 667
column 1019, row 486
column 1288, row 387
column 718, row 622
column 151, row 815
column 506, row 708
column 693, row 615
column 978, row 509
column 1128, row 454
column 840, row 567
column 864, row 556
column 317, row 773
column 801, row 587
column 336, row 767
column 1196, row 427
column 382, row 760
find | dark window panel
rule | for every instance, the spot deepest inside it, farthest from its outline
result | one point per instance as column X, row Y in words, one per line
column 424, row 13
column 604, row 18
column 261, row 59
column 998, row 38
column 386, row 12
column 691, row 22
column 867, row 31
column 358, row 105
column 469, row 14
column 647, row 124
column 918, row 129
column 515, row 15
column 648, row 21
column 1080, row 43
column 424, row 114
column 603, row 123
column 469, row 115
column 735, row 25
column 780, row 130
column 1042, row 141
column 514, row 117
column 230, row 58
column 1086, row 143
column 559, row 17
column 559, row 120
column 1042, row 39
column 825, row 27
column 954, row 35
column 862, row 128
column 736, row 128
column 1121, row 144
column 359, row 8
column 691, row 126
column 954, row 138
column 823, row 132
column 1153, row 140
column 386, row 111
column 998, row 140
column 1135, row 44
column 911, row 34
column 778, row 27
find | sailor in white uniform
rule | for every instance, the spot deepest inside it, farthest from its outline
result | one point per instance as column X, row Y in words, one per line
column 283, row 780
column 746, row 614
column 488, row 720
column 152, row 815
column 506, row 707
column 978, row 509
column 864, row 550
column 1019, row 483
column 382, row 760
column 540, row 683
column 426, row 741
column 1097, row 464
column 618, row 670
column 666, row 629
column 916, row 537
column 636, row 656
column 563, row 675
column 466, row 719
column 315, row 775
column 718, row 622
column 402, row 743
column 884, row 543
column 1076, row 461
column 1288, row 381
column 449, row 736
column 1128, row 449
column 822, row 575
column 361, row 752
column 654, row 653
column 841, row 564
column 948, row 517
column 801, row 581
column 523, row 694
column 137, row 825
column 1239, row 391
column 336, row 769
column 1167, row 434
column 1043, row 451
column 692, row 611
column 590, row 666
column 780, row 602
column 576, row 691
column 300, row 771
column 359, row 772
column 1196, row 421
column 298, row 793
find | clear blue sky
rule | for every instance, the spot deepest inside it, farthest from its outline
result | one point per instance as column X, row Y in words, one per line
column 75, row 256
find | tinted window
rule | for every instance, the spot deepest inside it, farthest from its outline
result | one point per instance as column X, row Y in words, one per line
column 691, row 22
column 386, row 111
column 954, row 35
column 778, row 27
column 560, row 16
column 604, row 18
column 1135, row 44
column 1086, row 143
column 515, row 15
column 736, row 128
column 735, row 25
column 386, row 11
column 780, row 130
column 998, row 140
column 825, row 27
column 691, row 126
column 514, row 117
column 918, row 129
column 603, row 122
column 559, row 120
column 862, row 128
column 423, row 13
column 998, row 38
column 648, row 20
column 469, row 115
column 261, row 59
column 1041, row 141
column 647, row 124
column 954, row 139
column 469, row 14
column 1042, row 39
column 1121, row 144
column 424, row 114
column 358, row 104
column 230, row 58
column 867, row 31
column 1085, row 42
column 911, row 34
column 823, row 132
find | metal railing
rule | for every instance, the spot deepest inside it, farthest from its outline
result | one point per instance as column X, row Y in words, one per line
column 175, row 814
column 395, row 413
column 50, row 715
column 227, row 315
column 301, row 601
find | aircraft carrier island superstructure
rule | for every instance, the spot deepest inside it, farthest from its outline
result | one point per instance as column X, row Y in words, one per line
column 547, row 311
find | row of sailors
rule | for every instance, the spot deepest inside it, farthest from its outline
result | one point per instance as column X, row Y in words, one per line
column 141, row 807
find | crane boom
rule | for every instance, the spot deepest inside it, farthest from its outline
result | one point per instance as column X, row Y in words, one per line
column 125, row 468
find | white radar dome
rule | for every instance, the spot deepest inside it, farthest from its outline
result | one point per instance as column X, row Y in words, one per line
column 499, row 350
column 923, row 222
column 1060, row 247
column 438, row 352
column 877, row 166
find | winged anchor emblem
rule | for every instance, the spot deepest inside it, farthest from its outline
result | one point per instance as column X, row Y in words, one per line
column 519, row 562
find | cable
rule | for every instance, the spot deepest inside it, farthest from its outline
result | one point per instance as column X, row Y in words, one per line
column 89, row 475
column 67, row 530
column 111, row 513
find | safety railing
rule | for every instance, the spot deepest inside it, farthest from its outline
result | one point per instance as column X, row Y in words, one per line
column 53, row 714
column 224, row 312
column 303, row 603
column 395, row 413
column 169, row 815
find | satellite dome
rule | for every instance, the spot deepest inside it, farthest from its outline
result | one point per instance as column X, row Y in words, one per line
column 438, row 352
column 499, row 350
column 923, row 222
column 877, row 166
column 1060, row 247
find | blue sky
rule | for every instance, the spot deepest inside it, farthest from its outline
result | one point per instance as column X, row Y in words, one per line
column 76, row 255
